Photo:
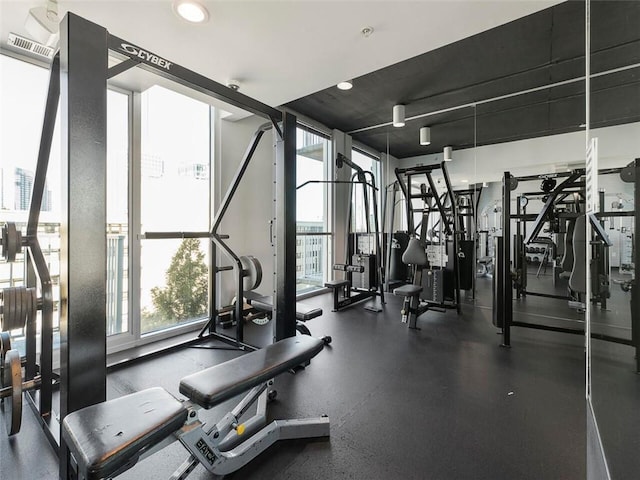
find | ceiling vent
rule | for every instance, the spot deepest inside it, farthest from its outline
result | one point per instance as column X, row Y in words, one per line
column 29, row 47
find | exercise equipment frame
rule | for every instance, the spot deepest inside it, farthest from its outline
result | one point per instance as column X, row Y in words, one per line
column 503, row 293
column 79, row 77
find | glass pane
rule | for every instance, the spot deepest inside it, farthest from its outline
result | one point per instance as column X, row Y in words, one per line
column 311, row 250
column 175, row 197
column 174, row 282
column 23, row 93
column 368, row 164
column 117, row 212
column 175, row 162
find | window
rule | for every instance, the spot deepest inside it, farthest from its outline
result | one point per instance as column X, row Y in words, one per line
column 117, row 213
column 174, row 198
column 312, row 207
column 23, row 93
column 368, row 164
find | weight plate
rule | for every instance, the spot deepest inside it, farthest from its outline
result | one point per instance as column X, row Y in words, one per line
column 7, row 309
column 19, row 299
column 12, row 406
column 12, row 311
column 253, row 272
column 5, row 346
column 11, row 241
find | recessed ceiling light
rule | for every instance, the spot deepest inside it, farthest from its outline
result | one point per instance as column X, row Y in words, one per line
column 191, row 11
column 464, row 180
column 346, row 85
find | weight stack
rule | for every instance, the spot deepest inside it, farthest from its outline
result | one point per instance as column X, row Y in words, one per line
column 367, row 279
column 433, row 286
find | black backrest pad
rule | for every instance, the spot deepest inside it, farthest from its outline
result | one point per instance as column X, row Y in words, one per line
column 222, row 382
column 109, row 437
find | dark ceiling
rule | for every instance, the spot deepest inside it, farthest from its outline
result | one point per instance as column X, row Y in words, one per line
column 535, row 51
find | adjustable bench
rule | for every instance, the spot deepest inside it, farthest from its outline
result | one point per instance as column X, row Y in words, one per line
column 109, row 438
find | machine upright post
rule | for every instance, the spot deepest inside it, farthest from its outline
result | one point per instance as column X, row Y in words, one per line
column 507, row 293
column 635, row 288
column 83, row 334
column 285, row 298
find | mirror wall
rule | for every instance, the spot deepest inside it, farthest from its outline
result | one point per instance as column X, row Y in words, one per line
column 614, row 111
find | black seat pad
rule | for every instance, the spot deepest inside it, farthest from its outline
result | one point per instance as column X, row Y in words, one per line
column 222, row 382
column 336, row 283
column 304, row 312
column 108, row 438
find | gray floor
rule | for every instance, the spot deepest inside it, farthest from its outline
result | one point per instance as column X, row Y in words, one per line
column 443, row 402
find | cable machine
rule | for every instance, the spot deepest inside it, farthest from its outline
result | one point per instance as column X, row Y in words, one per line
column 434, row 246
column 563, row 210
column 363, row 267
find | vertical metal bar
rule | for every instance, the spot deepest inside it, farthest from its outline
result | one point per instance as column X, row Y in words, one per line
column 285, row 325
column 213, row 289
column 48, row 127
column 602, row 256
column 507, row 292
column 635, row 289
column 519, row 251
column 31, row 328
column 34, row 255
column 405, row 192
column 376, row 227
column 392, row 214
column 83, row 352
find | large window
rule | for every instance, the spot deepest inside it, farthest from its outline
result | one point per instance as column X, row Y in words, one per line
column 118, row 213
column 23, row 92
column 175, row 186
column 312, row 206
column 368, row 164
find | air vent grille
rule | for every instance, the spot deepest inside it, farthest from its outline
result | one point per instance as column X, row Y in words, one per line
column 25, row 45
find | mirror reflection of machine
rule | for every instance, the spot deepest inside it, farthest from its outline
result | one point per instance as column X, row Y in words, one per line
column 436, row 247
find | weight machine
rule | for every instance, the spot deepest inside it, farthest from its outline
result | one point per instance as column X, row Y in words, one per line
column 434, row 247
column 363, row 265
column 78, row 79
column 511, row 272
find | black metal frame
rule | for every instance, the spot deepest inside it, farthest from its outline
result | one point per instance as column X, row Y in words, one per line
column 503, row 293
column 38, row 272
column 448, row 215
column 79, row 75
column 367, row 180
column 343, row 295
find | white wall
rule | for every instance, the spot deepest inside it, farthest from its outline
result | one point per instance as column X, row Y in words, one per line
column 247, row 219
column 617, row 146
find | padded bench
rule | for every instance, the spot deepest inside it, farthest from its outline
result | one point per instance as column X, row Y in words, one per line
column 264, row 303
column 407, row 290
column 108, row 438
